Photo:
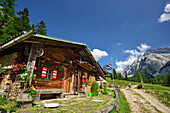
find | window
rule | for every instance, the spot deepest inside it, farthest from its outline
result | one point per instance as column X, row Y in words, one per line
column 49, row 74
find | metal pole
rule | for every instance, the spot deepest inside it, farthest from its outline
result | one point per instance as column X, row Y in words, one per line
column 112, row 72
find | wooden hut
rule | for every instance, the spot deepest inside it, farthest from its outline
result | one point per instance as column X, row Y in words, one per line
column 60, row 63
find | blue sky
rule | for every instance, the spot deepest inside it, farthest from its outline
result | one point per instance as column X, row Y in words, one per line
column 111, row 27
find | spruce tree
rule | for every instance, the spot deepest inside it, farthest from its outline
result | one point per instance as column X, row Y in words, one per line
column 7, row 20
column 139, row 77
column 40, row 28
column 115, row 74
column 120, row 76
column 126, row 77
column 23, row 22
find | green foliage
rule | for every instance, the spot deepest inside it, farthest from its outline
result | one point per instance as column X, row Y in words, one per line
column 126, row 77
column 25, row 76
column 7, row 105
column 146, row 76
column 115, row 74
column 11, row 24
column 23, row 21
column 31, row 91
column 95, row 88
column 105, row 89
column 82, row 91
column 10, row 106
column 140, row 77
column 7, row 20
column 161, row 79
column 3, row 100
column 120, row 76
column 60, row 68
column 40, row 28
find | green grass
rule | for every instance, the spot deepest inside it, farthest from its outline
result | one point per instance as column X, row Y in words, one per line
column 80, row 105
column 121, row 83
column 125, row 108
column 124, row 105
column 160, row 92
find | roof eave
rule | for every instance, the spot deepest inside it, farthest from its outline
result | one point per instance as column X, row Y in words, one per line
column 17, row 40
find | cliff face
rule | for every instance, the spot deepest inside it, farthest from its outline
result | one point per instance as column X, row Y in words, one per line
column 154, row 62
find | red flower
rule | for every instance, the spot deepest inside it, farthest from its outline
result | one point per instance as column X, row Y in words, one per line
column 42, row 92
column 38, row 94
column 3, row 75
column 4, row 70
column 83, row 80
column 21, row 65
column 37, row 87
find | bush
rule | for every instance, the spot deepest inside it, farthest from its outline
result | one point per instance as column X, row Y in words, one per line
column 9, row 107
column 95, row 88
column 3, row 100
column 105, row 89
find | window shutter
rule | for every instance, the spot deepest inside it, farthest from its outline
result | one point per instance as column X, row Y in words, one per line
column 54, row 74
column 44, row 72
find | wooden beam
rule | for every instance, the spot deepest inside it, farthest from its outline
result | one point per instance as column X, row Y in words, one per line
column 94, row 63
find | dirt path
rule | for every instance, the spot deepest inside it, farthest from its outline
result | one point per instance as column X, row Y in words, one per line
column 141, row 102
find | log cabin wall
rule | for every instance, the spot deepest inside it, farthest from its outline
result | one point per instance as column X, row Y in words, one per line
column 51, row 59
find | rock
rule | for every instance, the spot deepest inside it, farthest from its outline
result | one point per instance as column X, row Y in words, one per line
column 153, row 61
column 139, row 86
column 51, row 105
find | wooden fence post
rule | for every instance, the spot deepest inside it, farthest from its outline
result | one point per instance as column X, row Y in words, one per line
column 117, row 96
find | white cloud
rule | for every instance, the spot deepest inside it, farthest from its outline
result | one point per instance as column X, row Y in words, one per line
column 98, row 53
column 165, row 16
column 167, row 8
column 143, row 47
column 134, row 54
column 119, row 44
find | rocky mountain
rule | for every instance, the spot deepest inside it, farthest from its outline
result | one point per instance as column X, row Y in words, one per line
column 154, row 62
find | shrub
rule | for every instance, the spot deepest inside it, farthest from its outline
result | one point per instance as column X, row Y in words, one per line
column 9, row 107
column 3, row 100
column 105, row 89
column 95, row 88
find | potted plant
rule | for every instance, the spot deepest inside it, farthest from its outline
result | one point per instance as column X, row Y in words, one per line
column 82, row 92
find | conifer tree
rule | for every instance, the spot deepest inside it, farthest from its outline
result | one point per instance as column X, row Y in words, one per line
column 120, row 76
column 23, row 22
column 7, row 19
column 40, row 28
column 115, row 74
column 139, row 77
column 126, row 77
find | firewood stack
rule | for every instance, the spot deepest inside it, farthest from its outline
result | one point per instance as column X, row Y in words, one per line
column 15, row 89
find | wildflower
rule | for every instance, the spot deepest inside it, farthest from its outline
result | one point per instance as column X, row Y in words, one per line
column 3, row 75
column 4, row 70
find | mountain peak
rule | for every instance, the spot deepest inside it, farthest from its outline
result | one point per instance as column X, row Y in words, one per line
column 152, row 62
